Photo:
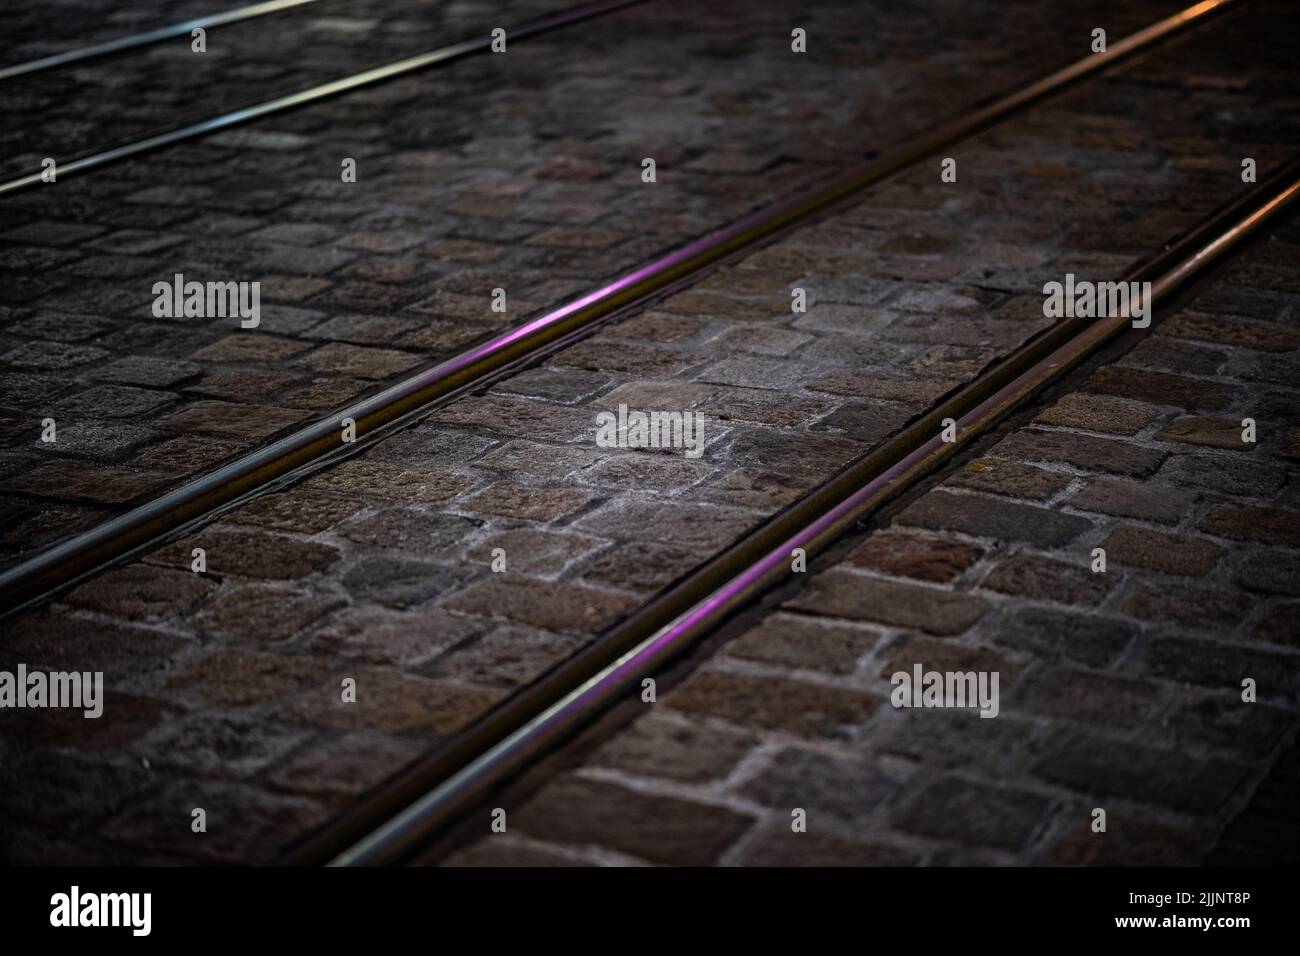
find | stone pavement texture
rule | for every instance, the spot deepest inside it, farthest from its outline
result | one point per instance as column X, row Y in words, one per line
column 1120, row 690
column 86, row 107
column 33, row 31
column 519, row 172
column 224, row 687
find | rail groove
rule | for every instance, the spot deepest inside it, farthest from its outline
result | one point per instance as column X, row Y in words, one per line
column 136, row 41
column 377, row 74
column 65, row 563
column 401, row 819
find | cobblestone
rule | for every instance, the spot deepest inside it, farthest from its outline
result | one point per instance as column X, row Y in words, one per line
column 585, row 811
column 1119, row 689
column 993, row 518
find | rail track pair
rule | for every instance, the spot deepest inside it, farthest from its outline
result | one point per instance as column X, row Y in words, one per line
column 397, row 820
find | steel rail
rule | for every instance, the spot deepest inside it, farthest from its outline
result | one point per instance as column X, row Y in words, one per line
column 148, row 38
column 378, row 74
column 610, row 669
column 32, row 579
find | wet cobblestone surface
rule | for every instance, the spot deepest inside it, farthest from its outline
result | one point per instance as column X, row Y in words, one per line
column 1119, row 689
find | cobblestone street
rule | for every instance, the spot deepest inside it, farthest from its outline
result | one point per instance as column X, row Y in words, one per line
column 1120, row 556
